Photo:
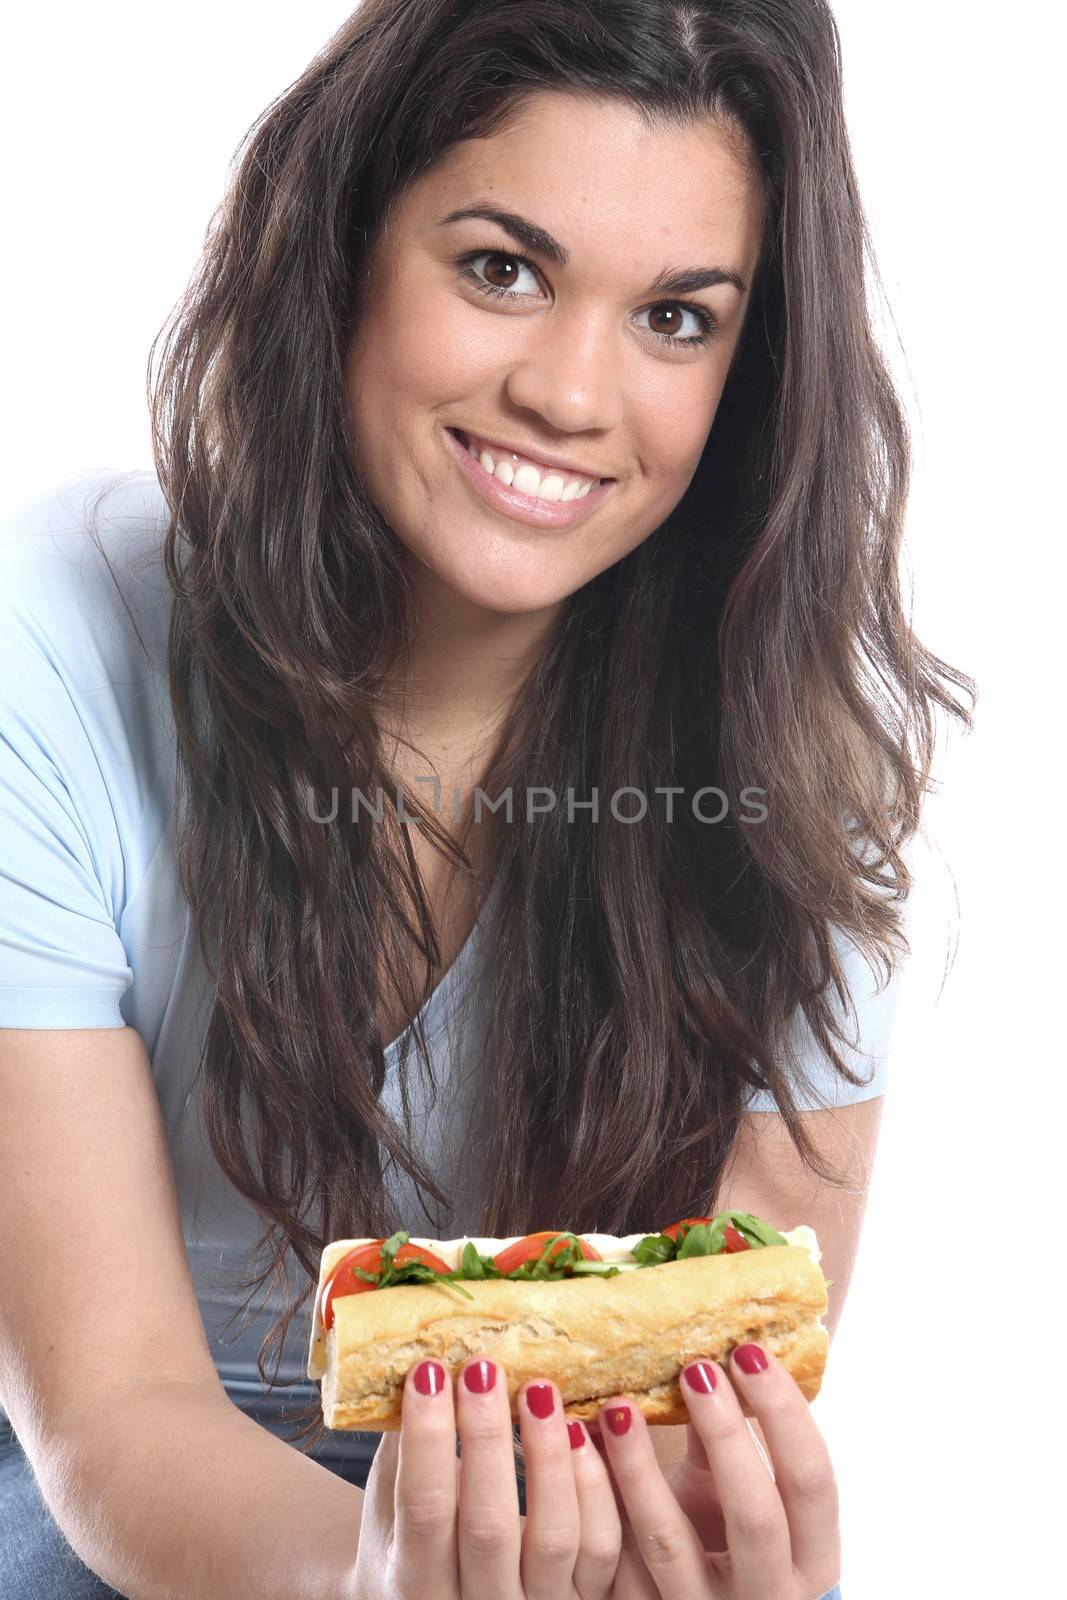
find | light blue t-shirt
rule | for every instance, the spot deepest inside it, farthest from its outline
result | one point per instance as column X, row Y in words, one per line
column 94, row 929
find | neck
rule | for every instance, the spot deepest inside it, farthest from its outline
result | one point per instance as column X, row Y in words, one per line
column 461, row 677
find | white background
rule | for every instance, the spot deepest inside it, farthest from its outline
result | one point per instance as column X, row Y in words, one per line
column 118, row 122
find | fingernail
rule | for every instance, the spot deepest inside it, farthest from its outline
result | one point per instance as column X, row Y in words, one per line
column 576, row 1434
column 480, row 1376
column 700, row 1375
column 429, row 1377
column 750, row 1358
column 540, row 1399
column 618, row 1419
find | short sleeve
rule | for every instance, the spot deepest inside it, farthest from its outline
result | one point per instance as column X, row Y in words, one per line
column 817, row 1085
column 62, row 961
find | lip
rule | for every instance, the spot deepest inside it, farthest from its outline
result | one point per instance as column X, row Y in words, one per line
column 523, row 507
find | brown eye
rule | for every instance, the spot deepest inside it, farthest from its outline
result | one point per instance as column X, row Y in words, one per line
column 508, row 272
column 495, row 272
column 673, row 315
column 671, row 320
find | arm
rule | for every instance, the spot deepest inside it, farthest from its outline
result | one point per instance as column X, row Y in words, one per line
column 765, row 1175
column 157, row 1480
column 174, row 1494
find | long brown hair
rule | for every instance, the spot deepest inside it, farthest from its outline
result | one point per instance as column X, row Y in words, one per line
column 641, row 979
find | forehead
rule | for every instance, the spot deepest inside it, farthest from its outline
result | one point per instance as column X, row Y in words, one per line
column 602, row 179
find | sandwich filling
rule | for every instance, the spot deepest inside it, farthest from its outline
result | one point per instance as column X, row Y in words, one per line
column 358, row 1265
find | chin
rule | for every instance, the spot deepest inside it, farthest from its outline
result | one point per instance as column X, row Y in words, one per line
column 511, row 588
column 514, row 599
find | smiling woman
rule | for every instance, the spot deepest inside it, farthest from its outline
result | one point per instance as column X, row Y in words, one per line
column 522, row 432
column 586, row 359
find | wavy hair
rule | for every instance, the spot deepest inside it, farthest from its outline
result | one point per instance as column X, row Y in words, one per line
column 641, row 980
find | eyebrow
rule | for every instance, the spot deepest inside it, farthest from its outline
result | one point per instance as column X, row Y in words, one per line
column 672, row 280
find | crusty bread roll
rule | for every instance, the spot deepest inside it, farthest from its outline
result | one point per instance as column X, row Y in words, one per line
column 592, row 1336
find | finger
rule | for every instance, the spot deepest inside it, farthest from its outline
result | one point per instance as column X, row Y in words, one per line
column 488, row 1522
column 694, row 1488
column 803, row 1472
column 592, row 1428
column 633, row 1581
column 661, row 1533
column 553, row 1527
column 379, row 1496
column 600, row 1535
column 757, row 1533
column 693, row 1483
column 424, row 1552
column 761, row 1443
column 376, row 1534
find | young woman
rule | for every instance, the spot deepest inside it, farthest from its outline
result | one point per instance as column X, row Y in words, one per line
column 464, row 789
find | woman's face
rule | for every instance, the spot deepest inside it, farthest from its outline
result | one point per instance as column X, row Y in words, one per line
column 587, row 367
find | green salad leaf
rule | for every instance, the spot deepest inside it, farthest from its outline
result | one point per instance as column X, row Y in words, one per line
column 695, row 1239
column 394, row 1272
column 705, row 1238
column 654, row 1248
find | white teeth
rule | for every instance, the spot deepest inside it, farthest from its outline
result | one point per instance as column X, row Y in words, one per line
column 528, row 480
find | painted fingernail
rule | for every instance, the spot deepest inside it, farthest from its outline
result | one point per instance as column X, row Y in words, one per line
column 700, row 1375
column 750, row 1358
column 480, row 1376
column 429, row 1377
column 618, row 1419
column 540, row 1399
column 576, row 1434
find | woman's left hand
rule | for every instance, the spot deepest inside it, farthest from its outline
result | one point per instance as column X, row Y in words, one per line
column 724, row 1529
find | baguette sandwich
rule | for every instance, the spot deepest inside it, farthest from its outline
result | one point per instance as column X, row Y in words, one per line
column 597, row 1315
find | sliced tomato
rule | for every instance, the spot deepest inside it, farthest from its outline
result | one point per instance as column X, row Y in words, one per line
column 732, row 1241
column 686, row 1222
column 530, row 1248
column 368, row 1258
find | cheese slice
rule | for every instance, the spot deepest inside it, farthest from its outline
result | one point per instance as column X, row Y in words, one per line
column 611, row 1248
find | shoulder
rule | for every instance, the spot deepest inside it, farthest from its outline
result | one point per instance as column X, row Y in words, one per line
column 84, row 699
column 79, row 555
column 865, row 1013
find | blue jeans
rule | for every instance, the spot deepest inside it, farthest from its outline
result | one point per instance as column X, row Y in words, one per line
column 37, row 1563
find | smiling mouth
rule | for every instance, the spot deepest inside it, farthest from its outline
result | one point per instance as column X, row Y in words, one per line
column 529, row 474
column 518, row 491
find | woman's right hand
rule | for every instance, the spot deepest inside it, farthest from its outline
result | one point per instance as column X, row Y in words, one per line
column 437, row 1528
column 730, row 1526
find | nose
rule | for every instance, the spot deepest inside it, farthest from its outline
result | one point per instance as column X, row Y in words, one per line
column 568, row 374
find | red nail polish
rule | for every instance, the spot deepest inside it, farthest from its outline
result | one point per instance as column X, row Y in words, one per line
column 700, row 1375
column 480, row 1376
column 618, row 1419
column 540, row 1399
column 576, row 1434
column 750, row 1358
column 429, row 1377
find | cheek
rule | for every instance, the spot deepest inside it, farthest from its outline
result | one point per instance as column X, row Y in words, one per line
column 675, row 424
column 672, row 459
column 417, row 349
